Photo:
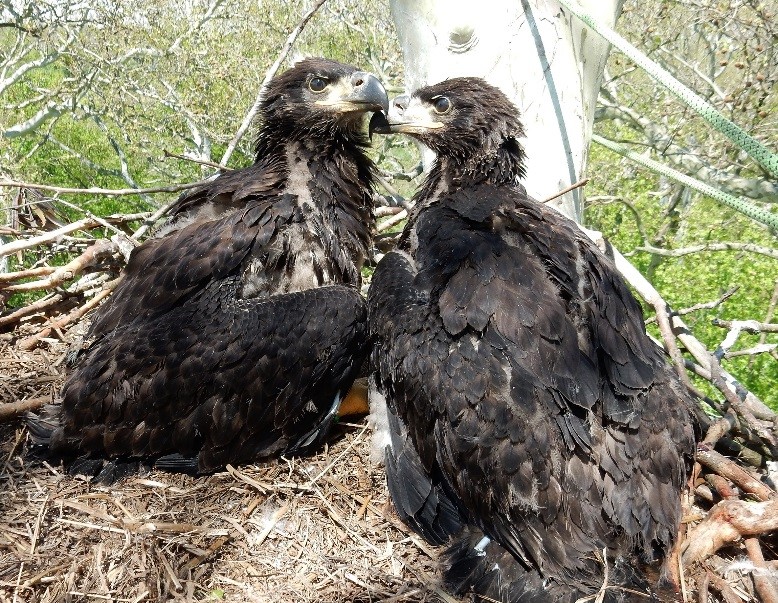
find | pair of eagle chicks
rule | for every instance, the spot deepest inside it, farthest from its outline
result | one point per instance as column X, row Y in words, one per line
column 527, row 420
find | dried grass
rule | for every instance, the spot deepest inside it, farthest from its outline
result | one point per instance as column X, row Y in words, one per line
column 319, row 529
column 316, row 529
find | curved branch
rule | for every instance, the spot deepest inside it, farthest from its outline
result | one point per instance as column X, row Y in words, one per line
column 269, row 76
column 727, row 523
column 103, row 191
column 723, row 246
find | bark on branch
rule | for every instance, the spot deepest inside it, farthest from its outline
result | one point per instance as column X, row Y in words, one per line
column 727, row 523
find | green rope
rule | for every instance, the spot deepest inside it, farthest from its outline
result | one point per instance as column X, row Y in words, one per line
column 767, row 159
column 744, row 207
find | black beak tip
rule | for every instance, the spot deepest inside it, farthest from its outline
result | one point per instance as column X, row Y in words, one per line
column 378, row 124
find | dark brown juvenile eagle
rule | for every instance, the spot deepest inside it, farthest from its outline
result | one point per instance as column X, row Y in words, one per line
column 532, row 424
column 234, row 335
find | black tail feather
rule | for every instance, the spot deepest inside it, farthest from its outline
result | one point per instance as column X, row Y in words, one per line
column 40, row 427
column 480, row 566
column 420, row 500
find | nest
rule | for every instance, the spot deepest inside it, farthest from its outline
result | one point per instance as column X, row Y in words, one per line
column 312, row 529
column 294, row 530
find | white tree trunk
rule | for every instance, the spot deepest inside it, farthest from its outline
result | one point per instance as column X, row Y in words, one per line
column 542, row 57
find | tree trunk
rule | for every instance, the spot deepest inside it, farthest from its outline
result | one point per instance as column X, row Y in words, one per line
column 542, row 57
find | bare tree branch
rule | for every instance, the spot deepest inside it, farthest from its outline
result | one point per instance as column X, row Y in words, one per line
column 722, row 246
column 751, row 326
column 109, row 192
column 727, row 523
column 252, row 113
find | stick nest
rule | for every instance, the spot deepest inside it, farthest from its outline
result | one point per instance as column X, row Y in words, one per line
column 317, row 529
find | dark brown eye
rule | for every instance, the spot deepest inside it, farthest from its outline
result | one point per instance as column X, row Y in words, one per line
column 442, row 104
column 317, row 84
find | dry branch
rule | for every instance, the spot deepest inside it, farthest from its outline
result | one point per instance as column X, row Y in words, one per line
column 53, row 235
column 10, row 277
column 29, row 343
column 750, row 326
column 11, row 410
column 38, row 306
column 102, row 248
column 762, row 582
column 108, row 192
column 733, row 472
column 727, row 523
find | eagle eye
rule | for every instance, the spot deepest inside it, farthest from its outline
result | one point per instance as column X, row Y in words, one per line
column 317, row 84
column 442, row 104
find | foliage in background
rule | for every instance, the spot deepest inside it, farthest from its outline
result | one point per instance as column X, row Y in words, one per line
column 122, row 82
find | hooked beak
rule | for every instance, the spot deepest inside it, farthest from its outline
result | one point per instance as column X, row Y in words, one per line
column 405, row 117
column 364, row 92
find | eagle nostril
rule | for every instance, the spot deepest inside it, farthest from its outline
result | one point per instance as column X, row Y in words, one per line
column 400, row 103
column 358, row 79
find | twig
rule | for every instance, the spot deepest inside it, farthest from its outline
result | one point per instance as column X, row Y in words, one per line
column 727, row 592
column 760, row 575
column 702, row 588
column 750, row 326
column 723, row 246
column 393, row 221
column 41, row 304
column 269, row 76
column 379, row 212
column 733, row 472
column 763, row 348
column 662, row 318
column 212, row 164
column 103, row 191
column 153, row 218
column 10, row 277
column 572, row 187
column 11, row 410
column 28, row 343
column 101, row 249
column 702, row 306
column 53, row 235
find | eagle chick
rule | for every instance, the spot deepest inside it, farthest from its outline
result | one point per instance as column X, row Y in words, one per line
column 534, row 427
column 234, row 334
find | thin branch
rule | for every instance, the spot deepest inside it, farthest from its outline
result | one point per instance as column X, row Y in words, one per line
column 37, row 306
column 28, row 343
column 762, row 348
column 269, row 76
column 104, row 191
column 101, row 249
column 723, row 246
column 393, row 221
column 212, row 164
column 572, row 187
column 10, row 277
column 662, row 318
column 750, row 326
column 733, row 472
column 11, row 410
column 53, row 235
column 761, row 574
column 701, row 306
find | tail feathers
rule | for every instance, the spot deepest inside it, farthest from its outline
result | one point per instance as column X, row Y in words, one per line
column 420, row 500
column 41, row 427
column 478, row 565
